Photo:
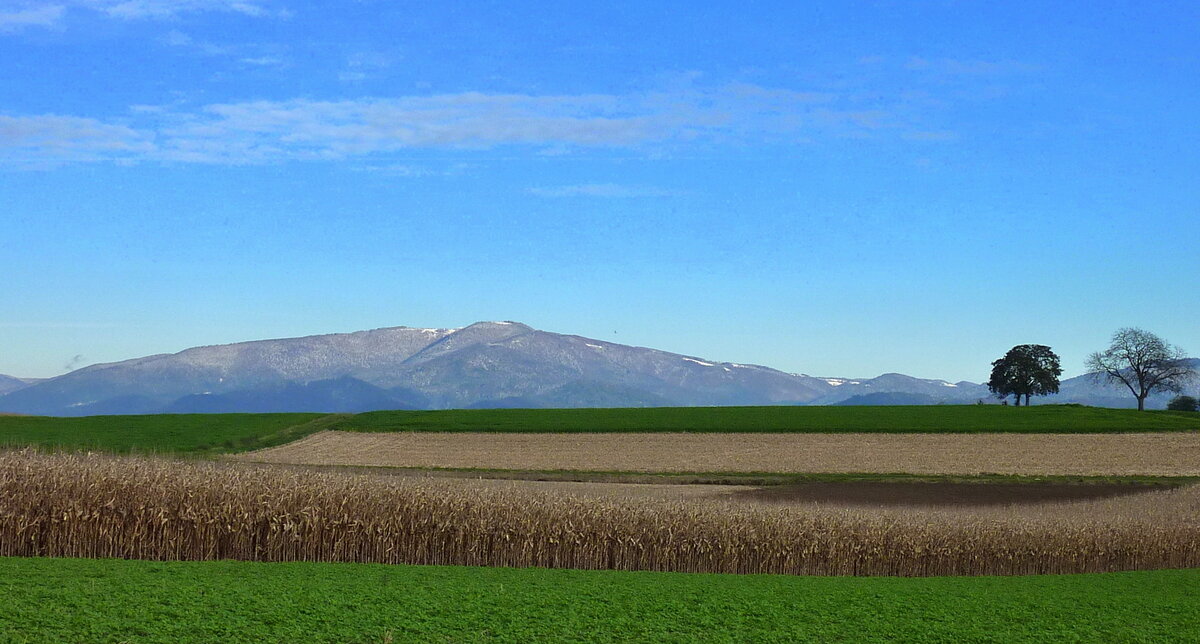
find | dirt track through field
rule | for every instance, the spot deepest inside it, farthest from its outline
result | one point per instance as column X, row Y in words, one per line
column 1152, row 454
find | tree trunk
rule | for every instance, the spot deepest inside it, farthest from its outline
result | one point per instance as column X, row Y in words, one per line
column 1142, row 402
column 1018, row 400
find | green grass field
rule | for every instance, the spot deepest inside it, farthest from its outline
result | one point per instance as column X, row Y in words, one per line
column 896, row 419
column 75, row 600
column 222, row 433
column 165, row 434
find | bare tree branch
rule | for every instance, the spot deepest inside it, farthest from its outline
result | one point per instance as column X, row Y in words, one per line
column 1143, row 362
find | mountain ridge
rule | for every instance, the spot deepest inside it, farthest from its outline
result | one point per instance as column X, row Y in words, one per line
column 485, row 364
column 12, row 383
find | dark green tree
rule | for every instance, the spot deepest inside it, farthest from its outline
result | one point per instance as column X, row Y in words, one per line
column 1183, row 403
column 1026, row 370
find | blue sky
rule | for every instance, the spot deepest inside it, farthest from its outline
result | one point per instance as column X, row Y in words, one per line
column 838, row 188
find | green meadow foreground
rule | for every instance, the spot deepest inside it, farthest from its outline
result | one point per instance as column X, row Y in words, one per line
column 106, row 600
column 225, row 433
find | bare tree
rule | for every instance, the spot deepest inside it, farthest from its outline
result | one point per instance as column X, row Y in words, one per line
column 1143, row 362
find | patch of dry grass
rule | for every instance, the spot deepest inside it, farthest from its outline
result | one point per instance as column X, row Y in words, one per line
column 106, row 506
column 1150, row 454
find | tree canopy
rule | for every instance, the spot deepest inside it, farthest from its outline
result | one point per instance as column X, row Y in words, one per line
column 1026, row 370
column 1143, row 362
column 1183, row 403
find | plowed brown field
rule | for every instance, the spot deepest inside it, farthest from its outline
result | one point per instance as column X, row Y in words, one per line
column 1151, row 454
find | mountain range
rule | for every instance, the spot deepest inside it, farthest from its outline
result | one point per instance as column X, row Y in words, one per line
column 9, row 383
column 484, row 365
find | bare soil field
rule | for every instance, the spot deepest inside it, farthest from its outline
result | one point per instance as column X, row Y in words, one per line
column 878, row 494
column 1141, row 454
column 603, row 491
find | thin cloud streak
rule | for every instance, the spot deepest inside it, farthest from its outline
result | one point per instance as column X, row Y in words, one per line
column 604, row 190
column 46, row 16
column 962, row 67
column 257, row 132
column 152, row 9
column 69, row 138
column 34, row 14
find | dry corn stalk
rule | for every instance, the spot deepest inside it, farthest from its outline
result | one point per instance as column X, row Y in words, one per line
column 106, row 506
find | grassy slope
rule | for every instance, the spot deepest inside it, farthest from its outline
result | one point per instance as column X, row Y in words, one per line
column 213, row 433
column 58, row 600
column 938, row 418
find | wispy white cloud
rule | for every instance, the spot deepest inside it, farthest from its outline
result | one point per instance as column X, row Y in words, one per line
column 151, row 9
column 263, row 61
column 253, row 54
column 176, row 38
column 606, row 190
column 363, row 65
column 36, row 139
column 966, row 67
column 399, row 170
column 777, row 96
column 931, row 136
column 19, row 14
column 30, row 16
column 267, row 131
column 409, row 171
column 337, row 129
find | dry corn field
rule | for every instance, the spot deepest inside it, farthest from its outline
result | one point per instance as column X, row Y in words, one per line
column 1152, row 454
column 108, row 506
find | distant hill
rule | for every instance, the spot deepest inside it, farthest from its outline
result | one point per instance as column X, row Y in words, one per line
column 10, row 384
column 337, row 395
column 888, row 398
column 484, row 365
column 496, row 364
column 927, row 391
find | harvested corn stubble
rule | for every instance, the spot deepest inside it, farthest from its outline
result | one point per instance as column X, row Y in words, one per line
column 146, row 508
